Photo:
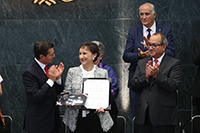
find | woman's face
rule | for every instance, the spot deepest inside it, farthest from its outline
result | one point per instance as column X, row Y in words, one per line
column 85, row 56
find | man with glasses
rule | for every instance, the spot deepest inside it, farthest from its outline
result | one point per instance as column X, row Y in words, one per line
column 135, row 51
column 157, row 78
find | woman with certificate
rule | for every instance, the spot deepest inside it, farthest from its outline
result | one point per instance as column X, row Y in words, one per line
column 86, row 121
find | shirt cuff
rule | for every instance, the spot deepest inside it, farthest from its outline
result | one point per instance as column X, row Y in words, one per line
column 1, row 79
column 59, row 81
column 50, row 82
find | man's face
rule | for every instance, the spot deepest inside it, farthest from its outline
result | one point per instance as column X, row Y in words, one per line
column 49, row 57
column 156, row 49
column 146, row 15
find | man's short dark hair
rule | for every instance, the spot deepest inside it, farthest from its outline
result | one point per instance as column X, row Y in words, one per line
column 42, row 47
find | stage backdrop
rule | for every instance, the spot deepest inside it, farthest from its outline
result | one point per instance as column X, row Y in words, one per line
column 67, row 25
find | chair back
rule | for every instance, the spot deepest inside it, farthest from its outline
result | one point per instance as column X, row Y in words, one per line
column 8, row 125
column 121, row 124
column 195, row 122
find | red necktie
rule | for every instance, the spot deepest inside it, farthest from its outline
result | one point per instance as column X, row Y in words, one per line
column 156, row 64
column 46, row 70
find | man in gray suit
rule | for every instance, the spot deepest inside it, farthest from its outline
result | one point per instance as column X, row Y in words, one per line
column 157, row 78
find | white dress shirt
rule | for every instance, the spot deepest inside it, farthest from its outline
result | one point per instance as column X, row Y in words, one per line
column 87, row 74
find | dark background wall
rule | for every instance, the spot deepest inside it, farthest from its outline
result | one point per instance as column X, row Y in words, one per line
column 67, row 25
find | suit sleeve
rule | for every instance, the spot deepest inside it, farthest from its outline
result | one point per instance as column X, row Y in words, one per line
column 115, row 87
column 33, row 89
column 139, row 81
column 170, row 50
column 129, row 56
column 59, row 88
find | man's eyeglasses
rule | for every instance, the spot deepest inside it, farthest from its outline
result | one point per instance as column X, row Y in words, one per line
column 153, row 45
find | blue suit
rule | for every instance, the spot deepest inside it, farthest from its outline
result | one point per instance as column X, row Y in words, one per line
column 135, row 37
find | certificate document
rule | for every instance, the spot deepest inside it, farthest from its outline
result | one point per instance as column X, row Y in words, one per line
column 98, row 92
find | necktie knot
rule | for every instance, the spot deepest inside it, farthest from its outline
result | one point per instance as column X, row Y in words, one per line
column 46, row 70
column 148, row 30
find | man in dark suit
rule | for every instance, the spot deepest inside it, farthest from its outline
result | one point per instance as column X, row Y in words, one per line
column 42, row 87
column 196, row 87
column 135, row 51
column 157, row 78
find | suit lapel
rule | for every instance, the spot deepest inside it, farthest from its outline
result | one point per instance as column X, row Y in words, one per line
column 39, row 70
column 161, row 66
column 80, row 74
column 163, row 63
column 96, row 74
column 140, row 32
column 140, row 35
column 158, row 28
column 43, row 76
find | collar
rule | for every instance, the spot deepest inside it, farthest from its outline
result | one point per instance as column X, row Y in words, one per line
column 40, row 64
column 159, row 59
column 153, row 28
column 91, row 71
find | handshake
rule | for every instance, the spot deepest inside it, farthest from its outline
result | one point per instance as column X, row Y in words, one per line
column 49, row 2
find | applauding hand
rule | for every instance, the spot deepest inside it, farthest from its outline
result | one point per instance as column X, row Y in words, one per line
column 59, row 70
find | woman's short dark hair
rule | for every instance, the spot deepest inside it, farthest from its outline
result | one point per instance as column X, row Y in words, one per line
column 42, row 47
column 92, row 47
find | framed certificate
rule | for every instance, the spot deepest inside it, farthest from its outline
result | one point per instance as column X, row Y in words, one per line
column 98, row 92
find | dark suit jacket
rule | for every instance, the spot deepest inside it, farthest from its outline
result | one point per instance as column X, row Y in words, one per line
column 159, row 94
column 135, row 37
column 41, row 111
column 196, row 61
